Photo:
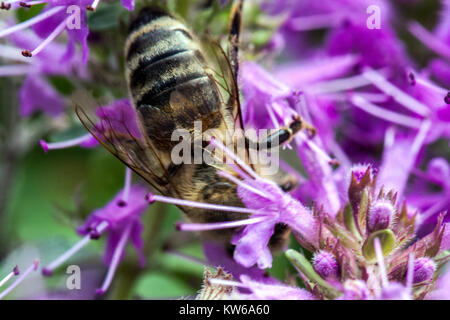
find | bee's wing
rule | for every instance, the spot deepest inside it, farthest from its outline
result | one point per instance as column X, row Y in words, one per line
column 224, row 77
column 118, row 128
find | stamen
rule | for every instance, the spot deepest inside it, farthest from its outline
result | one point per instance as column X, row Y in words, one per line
column 179, row 202
column 314, row 147
column 244, row 185
column 48, row 271
column 372, row 97
column 64, row 144
column 384, row 114
column 118, row 252
column 420, row 138
column 181, row 226
column 14, row 70
column 227, row 283
column 380, row 259
column 410, row 273
column 22, row 277
column 238, row 170
column 217, row 143
column 126, row 189
column 32, row 21
column 14, row 272
column 5, row 6
column 314, row 22
column 398, row 95
column 188, row 258
column 432, row 86
column 60, row 28
column 430, row 40
column 9, row 52
column 275, row 123
column 93, row 6
column 433, row 210
column 31, row 3
column 337, row 85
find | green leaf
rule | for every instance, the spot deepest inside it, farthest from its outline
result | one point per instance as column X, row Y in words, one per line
column 387, row 242
column 105, row 17
column 261, row 37
column 71, row 133
column 162, row 285
column 179, row 264
column 349, row 221
column 23, row 14
column 62, row 84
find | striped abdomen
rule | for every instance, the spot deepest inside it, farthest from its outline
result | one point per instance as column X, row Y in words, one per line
column 167, row 77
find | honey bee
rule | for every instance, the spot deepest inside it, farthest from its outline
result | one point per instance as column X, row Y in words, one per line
column 172, row 84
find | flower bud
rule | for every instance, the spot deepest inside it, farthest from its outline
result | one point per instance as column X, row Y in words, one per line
column 380, row 215
column 423, row 270
column 325, row 265
column 359, row 170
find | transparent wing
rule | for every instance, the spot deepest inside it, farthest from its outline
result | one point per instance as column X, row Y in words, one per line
column 221, row 67
column 118, row 128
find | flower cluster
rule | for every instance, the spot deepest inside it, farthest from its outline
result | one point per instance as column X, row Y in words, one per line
column 369, row 209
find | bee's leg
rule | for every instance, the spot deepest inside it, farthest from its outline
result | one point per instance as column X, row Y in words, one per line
column 234, row 36
column 282, row 135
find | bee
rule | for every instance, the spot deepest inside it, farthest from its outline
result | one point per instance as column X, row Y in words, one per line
column 172, row 84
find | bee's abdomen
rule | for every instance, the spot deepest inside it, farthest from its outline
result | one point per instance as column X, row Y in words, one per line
column 166, row 74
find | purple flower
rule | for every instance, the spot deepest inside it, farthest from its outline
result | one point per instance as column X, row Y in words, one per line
column 36, row 93
column 424, row 195
column 217, row 255
column 442, row 292
column 119, row 116
column 267, row 205
column 268, row 101
column 58, row 16
column 358, row 39
column 437, row 41
column 380, row 215
column 399, row 157
column 395, row 291
column 325, row 264
column 122, row 214
column 121, row 217
column 355, row 290
column 264, row 291
column 271, row 104
column 304, row 16
column 424, row 269
column 445, row 244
